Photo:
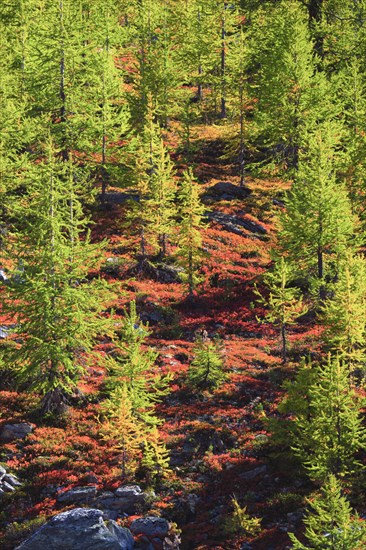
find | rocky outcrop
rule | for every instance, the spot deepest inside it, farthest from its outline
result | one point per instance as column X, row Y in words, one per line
column 10, row 432
column 150, row 526
column 154, row 533
column 78, row 494
column 236, row 225
column 127, row 499
column 81, row 529
column 226, row 191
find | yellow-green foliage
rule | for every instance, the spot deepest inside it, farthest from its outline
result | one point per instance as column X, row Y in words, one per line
column 241, row 522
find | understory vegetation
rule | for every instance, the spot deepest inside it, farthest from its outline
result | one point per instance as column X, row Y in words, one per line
column 182, row 265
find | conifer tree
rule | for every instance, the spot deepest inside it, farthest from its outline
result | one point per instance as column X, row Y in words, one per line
column 133, row 366
column 153, row 170
column 190, row 241
column 155, row 457
column 344, row 315
column 206, row 369
column 105, row 80
column 330, row 523
column 328, row 431
column 155, row 75
column 160, row 203
column 237, row 77
column 120, row 428
column 289, row 95
column 196, row 37
column 350, row 84
column 57, row 313
column 284, row 302
column 317, row 226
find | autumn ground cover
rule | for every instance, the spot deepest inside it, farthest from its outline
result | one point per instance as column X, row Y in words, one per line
column 219, row 441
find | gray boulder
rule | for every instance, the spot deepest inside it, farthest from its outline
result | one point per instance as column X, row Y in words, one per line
column 9, row 432
column 78, row 494
column 252, row 474
column 79, row 529
column 150, row 526
column 127, row 499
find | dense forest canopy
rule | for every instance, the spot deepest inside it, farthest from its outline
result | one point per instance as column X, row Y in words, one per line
column 182, row 274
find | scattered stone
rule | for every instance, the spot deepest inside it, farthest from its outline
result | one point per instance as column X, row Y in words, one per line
column 295, row 517
column 150, row 526
column 9, row 432
column 252, row 474
column 112, row 266
column 118, row 197
column 226, row 191
column 128, row 499
column 6, row 487
column 163, row 273
column 234, row 224
column 8, row 482
column 4, row 332
column 77, row 494
column 81, row 529
column 11, row 480
column 91, row 478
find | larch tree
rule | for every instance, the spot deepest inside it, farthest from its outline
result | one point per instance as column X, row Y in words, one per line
column 237, row 80
column 153, row 214
column 330, row 523
column 190, row 213
column 133, row 365
column 57, row 312
column 110, row 116
column 206, row 370
column 317, row 226
column 290, row 96
column 284, row 302
column 328, row 433
column 344, row 314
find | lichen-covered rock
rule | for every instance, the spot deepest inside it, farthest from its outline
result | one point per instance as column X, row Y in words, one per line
column 129, row 499
column 9, row 432
column 150, row 526
column 78, row 494
column 79, row 529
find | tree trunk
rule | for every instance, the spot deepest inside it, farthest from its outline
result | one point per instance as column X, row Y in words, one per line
column 241, row 146
column 223, row 113
column 190, row 274
column 62, row 92
column 284, row 343
column 315, row 9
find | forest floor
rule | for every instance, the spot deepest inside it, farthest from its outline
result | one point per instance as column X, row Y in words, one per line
column 219, row 442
